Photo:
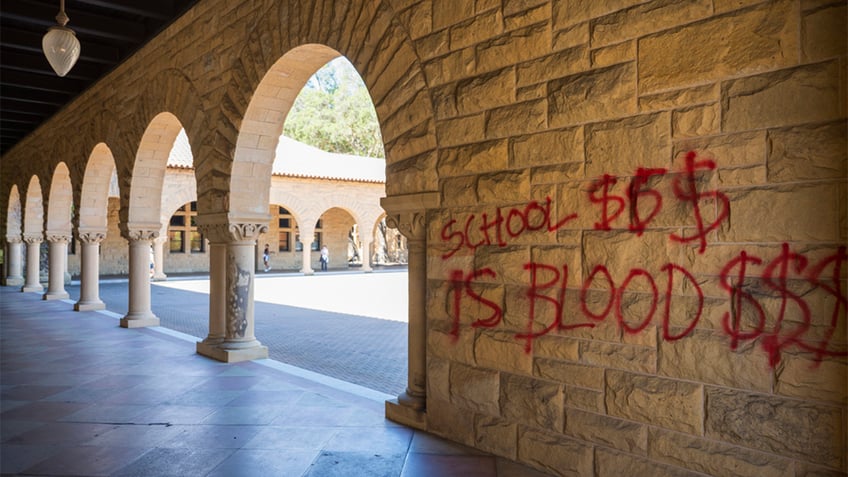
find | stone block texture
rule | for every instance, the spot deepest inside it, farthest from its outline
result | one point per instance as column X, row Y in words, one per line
column 637, row 265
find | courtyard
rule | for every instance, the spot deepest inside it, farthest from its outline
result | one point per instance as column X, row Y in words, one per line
column 346, row 325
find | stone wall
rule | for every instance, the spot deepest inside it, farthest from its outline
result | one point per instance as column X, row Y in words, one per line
column 637, row 265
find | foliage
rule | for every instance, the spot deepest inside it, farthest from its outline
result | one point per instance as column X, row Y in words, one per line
column 334, row 112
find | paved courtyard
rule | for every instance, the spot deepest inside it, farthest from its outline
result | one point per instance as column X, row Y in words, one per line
column 346, row 325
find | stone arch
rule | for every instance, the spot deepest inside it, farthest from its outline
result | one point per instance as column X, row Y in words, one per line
column 280, row 55
column 34, row 209
column 147, row 180
column 169, row 103
column 59, row 202
column 14, row 222
column 94, row 196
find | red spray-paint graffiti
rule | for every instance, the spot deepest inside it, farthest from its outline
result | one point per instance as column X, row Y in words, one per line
column 775, row 275
column 510, row 224
column 747, row 319
column 684, row 187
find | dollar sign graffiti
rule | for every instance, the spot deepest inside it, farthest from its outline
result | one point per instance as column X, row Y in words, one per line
column 687, row 190
column 732, row 320
column 774, row 342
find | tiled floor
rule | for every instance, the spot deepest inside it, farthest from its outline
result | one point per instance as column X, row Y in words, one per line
column 82, row 396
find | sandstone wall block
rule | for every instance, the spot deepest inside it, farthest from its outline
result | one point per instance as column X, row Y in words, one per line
column 675, row 405
column 569, row 373
column 621, row 147
column 495, row 435
column 586, row 399
column 647, row 18
column 556, row 65
column 713, row 458
column 487, row 91
column 533, row 401
column 609, row 463
column 551, row 147
column 707, row 357
column 806, row 94
column 596, row 95
column 619, row 356
column 438, row 378
column 491, row 156
column 805, row 378
column 474, row 389
column 808, row 152
column 708, row 93
column 520, row 118
column 800, row 429
column 608, row 431
column 824, row 32
column 570, row 12
column 446, row 420
column 500, row 350
column 746, row 41
column 553, row 452
column 808, row 214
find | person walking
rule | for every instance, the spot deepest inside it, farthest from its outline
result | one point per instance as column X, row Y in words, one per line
column 266, row 258
column 325, row 258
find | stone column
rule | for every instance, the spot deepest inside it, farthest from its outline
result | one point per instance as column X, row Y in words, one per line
column 90, row 271
column 33, row 271
column 139, row 313
column 14, row 269
column 217, row 235
column 365, row 252
column 158, row 259
column 408, row 215
column 306, row 236
column 239, row 342
column 58, row 252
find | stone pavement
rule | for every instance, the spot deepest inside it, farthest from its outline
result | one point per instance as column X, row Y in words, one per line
column 81, row 396
column 358, row 349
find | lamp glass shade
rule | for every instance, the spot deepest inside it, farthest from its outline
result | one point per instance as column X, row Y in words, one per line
column 61, row 48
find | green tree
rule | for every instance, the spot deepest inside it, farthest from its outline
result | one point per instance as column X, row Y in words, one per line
column 334, row 112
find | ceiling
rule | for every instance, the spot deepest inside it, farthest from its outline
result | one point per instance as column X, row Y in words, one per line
column 108, row 31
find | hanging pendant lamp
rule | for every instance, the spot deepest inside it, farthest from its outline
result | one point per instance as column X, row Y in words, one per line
column 60, row 44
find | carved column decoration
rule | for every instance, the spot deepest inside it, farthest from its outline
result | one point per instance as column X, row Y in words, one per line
column 139, row 313
column 14, row 268
column 231, row 273
column 58, row 252
column 33, row 263
column 90, row 270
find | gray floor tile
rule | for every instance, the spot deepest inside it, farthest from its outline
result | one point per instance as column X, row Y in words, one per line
column 174, row 462
column 87, row 460
column 257, row 462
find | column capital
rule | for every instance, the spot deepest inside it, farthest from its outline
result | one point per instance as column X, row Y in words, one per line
column 413, row 225
column 142, row 234
column 233, row 232
column 91, row 236
column 16, row 238
column 57, row 237
column 408, row 213
column 33, row 238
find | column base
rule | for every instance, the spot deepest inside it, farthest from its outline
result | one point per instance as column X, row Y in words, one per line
column 408, row 416
column 216, row 352
column 32, row 288
column 160, row 277
column 308, row 272
column 14, row 281
column 56, row 296
column 89, row 306
column 140, row 321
